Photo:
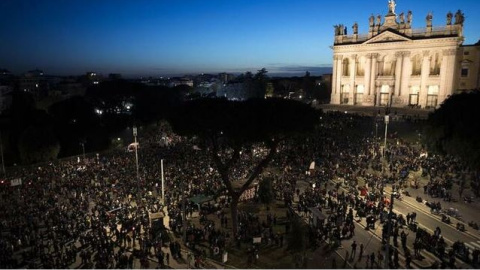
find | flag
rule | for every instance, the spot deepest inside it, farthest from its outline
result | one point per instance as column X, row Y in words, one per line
column 131, row 147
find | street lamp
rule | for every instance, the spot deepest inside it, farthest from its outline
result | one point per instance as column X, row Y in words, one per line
column 136, row 151
column 163, row 182
column 387, row 120
column 1, row 151
column 82, row 143
column 389, row 226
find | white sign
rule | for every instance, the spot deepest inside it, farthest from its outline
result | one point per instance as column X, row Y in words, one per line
column 134, row 131
column 16, row 182
column 312, row 165
column 225, row 257
column 257, row 240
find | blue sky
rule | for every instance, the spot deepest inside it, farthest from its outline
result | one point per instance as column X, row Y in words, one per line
column 161, row 37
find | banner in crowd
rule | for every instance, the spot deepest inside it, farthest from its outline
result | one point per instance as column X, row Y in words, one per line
column 248, row 194
column 16, row 182
column 131, row 147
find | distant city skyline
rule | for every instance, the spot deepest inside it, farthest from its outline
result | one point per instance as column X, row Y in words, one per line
column 168, row 38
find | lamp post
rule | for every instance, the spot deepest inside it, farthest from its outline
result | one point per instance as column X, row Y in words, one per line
column 163, row 183
column 1, row 151
column 184, row 213
column 82, row 143
column 387, row 120
column 387, row 251
column 136, row 152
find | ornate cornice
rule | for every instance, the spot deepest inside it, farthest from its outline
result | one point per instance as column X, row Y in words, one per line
column 425, row 42
column 449, row 52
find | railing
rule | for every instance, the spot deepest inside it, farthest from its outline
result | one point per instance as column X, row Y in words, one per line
column 350, row 38
column 417, row 32
column 436, row 31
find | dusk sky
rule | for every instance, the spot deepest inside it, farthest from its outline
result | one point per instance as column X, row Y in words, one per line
column 160, row 37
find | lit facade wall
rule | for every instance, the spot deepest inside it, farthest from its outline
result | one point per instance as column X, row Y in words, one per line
column 395, row 65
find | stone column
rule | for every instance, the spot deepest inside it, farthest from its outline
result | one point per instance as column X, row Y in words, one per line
column 373, row 76
column 447, row 73
column 333, row 97
column 366, row 76
column 336, row 80
column 424, row 77
column 406, row 71
column 353, row 74
column 398, row 73
column 373, row 71
column 377, row 93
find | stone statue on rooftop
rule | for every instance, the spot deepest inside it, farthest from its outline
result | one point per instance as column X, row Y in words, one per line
column 429, row 19
column 409, row 17
column 340, row 30
column 459, row 17
column 379, row 20
column 391, row 6
column 402, row 18
column 449, row 18
column 371, row 20
column 355, row 28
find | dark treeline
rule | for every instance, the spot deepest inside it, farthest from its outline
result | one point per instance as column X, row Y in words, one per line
column 33, row 135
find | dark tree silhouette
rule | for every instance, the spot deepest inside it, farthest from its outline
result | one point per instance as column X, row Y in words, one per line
column 232, row 129
column 38, row 144
column 153, row 103
column 265, row 191
column 297, row 241
column 76, row 121
column 454, row 127
column 110, row 96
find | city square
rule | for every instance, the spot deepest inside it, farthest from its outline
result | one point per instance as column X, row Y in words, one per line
column 370, row 161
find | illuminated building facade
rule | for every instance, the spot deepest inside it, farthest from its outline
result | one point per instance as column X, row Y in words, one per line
column 395, row 65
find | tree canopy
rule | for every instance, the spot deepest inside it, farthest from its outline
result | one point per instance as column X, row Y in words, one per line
column 231, row 129
column 454, row 128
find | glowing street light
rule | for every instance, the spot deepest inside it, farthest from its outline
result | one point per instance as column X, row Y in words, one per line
column 136, row 151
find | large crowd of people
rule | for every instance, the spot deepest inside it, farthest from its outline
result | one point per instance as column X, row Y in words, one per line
column 97, row 210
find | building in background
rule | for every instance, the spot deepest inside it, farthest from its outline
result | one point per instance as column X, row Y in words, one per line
column 395, row 65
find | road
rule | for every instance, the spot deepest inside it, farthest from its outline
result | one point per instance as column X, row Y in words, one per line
column 430, row 221
column 372, row 238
